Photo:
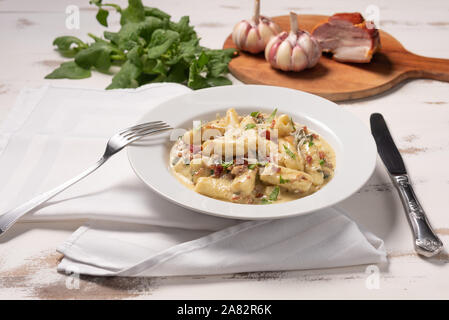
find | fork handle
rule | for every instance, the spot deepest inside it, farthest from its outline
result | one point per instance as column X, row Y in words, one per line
column 9, row 218
column 427, row 242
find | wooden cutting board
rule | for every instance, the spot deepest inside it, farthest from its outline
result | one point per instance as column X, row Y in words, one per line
column 341, row 81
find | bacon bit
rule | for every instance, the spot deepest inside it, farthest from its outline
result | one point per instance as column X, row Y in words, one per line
column 272, row 124
column 321, row 154
column 195, row 149
column 248, row 177
column 276, row 169
column 265, row 133
column 309, row 159
column 315, row 136
column 218, row 170
column 259, row 195
column 235, row 198
column 303, row 178
column 179, row 154
column 305, row 130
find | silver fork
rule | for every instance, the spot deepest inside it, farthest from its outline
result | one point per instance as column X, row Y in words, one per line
column 116, row 143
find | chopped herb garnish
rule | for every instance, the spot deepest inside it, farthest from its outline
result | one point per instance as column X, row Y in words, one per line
column 293, row 124
column 289, row 152
column 274, row 194
column 226, row 165
column 252, row 166
column 265, row 201
column 212, row 172
column 322, row 161
column 255, row 114
column 282, row 181
column 272, row 115
column 250, row 126
column 310, row 143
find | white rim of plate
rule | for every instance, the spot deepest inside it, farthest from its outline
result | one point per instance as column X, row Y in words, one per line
column 354, row 146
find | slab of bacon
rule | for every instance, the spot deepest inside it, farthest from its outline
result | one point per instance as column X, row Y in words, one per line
column 349, row 37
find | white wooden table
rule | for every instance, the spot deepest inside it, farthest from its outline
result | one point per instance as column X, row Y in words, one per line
column 416, row 111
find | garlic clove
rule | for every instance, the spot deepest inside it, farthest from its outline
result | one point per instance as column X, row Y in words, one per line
column 254, row 43
column 299, row 59
column 283, row 56
column 240, row 32
column 272, row 47
column 267, row 31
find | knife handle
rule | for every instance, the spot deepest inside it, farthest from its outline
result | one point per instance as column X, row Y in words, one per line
column 426, row 241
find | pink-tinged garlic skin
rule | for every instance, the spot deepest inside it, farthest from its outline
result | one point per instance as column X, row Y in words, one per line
column 294, row 51
column 253, row 36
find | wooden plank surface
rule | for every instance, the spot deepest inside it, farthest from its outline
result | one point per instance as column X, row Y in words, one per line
column 417, row 113
column 338, row 81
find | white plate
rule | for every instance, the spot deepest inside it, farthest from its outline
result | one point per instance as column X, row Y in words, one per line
column 353, row 144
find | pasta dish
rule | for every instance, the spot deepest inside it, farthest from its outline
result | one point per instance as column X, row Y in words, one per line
column 259, row 158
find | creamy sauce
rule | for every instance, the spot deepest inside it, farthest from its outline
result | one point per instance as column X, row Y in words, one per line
column 301, row 164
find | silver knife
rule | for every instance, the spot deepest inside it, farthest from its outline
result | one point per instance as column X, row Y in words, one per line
column 426, row 241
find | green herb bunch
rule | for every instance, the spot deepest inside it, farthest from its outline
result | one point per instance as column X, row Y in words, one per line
column 148, row 48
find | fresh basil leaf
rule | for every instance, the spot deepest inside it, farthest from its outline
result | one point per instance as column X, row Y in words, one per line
column 102, row 17
column 161, row 41
column 64, row 43
column 111, row 36
column 97, row 55
column 186, row 32
column 69, row 70
column 178, row 73
column 155, row 12
column 218, row 81
column 219, row 60
column 132, row 33
column 126, row 77
column 135, row 12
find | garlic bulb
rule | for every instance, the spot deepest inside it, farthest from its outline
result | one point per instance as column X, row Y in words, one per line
column 253, row 35
column 294, row 51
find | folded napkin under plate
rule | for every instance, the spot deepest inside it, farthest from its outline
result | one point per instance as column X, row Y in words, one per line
column 54, row 133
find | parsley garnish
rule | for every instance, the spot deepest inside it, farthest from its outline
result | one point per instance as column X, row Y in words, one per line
column 226, row 165
column 274, row 194
column 293, row 124
column 250, row 126
column 289, row 152
column 310, row 143
column 322, row 161
column 272, row 115
column 252, row 166
column 255, row 114
column 282, row 181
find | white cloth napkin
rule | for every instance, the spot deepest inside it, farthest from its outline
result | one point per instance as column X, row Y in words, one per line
column 53, row 133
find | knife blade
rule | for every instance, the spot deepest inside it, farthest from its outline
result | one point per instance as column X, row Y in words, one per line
column 426, row 241
column 386, row 147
